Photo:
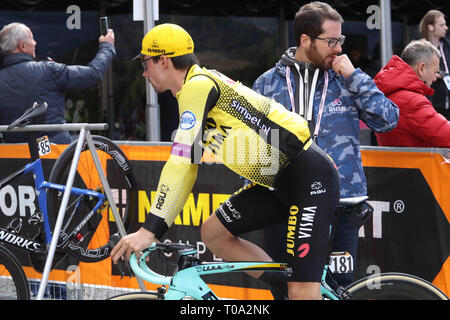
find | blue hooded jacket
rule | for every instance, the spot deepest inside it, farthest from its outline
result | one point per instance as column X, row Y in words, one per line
column 24, row 81
column 346, row 102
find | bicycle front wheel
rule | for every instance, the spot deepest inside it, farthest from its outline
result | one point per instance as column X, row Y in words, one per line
column 90, row 243
column 138, row 296
column 394, row 286
column 13, row 281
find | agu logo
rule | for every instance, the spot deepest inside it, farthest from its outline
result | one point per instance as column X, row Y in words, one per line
column 187, row 120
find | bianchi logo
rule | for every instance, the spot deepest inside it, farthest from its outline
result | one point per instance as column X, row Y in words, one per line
column 316, row 188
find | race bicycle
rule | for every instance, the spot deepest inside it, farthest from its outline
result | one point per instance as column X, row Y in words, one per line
column 186, row 282
column 86, row 226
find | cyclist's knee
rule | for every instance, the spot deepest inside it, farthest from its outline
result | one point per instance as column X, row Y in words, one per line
column 205, row 232
column 213, row 232
column 208, row 230
column 304, row 291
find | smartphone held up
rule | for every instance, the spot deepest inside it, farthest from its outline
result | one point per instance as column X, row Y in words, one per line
column 104, row 26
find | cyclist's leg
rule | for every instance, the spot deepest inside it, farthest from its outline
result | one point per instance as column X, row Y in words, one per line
column 310, row 187
column 251, row 208
column 345, row 240
column 229, row 247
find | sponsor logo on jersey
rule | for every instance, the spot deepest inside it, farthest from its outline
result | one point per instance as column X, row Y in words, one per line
column 304, row 229
column 317, row 188
column 187, row 120
column 227, row 210
column 164, row 189
column 291, row 228
column 253, row 119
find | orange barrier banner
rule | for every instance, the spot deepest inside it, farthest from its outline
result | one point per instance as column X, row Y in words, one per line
column 409, row 231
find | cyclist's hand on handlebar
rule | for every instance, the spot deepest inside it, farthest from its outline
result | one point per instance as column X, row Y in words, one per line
column 109, row 37
column 134, row 242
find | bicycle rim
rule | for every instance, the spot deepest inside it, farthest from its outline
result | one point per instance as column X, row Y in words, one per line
column 90, row 244
column 394, row 286
column 13, row 281
column 138, row 296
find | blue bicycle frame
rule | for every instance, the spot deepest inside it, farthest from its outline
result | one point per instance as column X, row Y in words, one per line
column 41, row 186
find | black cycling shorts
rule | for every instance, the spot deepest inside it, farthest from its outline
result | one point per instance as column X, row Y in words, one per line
column 305, row 197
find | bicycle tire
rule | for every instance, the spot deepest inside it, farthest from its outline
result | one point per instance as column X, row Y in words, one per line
column 394, row 286
column 93, row 245
column 13, row 281
column 137, row 296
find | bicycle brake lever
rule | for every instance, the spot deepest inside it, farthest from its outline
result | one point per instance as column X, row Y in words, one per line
column 124, row 268
column 127, row 271
column 122, row 264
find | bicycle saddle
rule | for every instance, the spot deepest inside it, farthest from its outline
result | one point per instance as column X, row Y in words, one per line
column 35, row 111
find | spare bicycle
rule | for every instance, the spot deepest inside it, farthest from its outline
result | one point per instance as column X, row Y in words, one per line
column 86, row 227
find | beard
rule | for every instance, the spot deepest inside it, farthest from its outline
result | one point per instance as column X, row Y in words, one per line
column 317, row 60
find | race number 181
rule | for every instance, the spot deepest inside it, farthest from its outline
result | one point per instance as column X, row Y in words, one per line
column 341, row 262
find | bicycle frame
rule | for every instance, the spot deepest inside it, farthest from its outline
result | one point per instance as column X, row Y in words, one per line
column 187, row 282
column 41, row 187
column 326, row 290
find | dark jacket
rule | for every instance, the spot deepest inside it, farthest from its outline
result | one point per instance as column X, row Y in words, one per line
column 419, row 124
column 24, row 81
column 440, row 89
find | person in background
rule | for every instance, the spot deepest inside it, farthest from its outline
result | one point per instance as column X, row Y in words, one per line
column 24, row 81
column 316, row 81
column 406, row 81
column 433, row 28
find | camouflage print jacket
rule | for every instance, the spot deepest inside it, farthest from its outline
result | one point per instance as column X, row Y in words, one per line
column 346, row 102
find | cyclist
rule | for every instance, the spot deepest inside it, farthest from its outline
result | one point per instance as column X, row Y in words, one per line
column 294, row 180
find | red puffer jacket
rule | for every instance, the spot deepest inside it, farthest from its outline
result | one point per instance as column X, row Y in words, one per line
column 419, row 124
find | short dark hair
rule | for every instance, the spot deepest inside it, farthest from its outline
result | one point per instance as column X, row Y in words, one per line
column 309, row 19
column 181, row 62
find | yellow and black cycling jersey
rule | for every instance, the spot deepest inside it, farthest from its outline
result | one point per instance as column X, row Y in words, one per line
column 252, row 135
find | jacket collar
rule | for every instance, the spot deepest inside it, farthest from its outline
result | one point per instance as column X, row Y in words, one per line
column 287, row 59
column 397, row 75
column 14, row 58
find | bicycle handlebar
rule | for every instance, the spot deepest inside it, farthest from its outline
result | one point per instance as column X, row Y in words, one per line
column 141, row 270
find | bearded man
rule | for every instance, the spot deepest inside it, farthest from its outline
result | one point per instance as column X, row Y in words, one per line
column 315, row 80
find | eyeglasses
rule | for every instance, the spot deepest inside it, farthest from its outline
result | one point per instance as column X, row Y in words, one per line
column 144, row 63
column 332, row 42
